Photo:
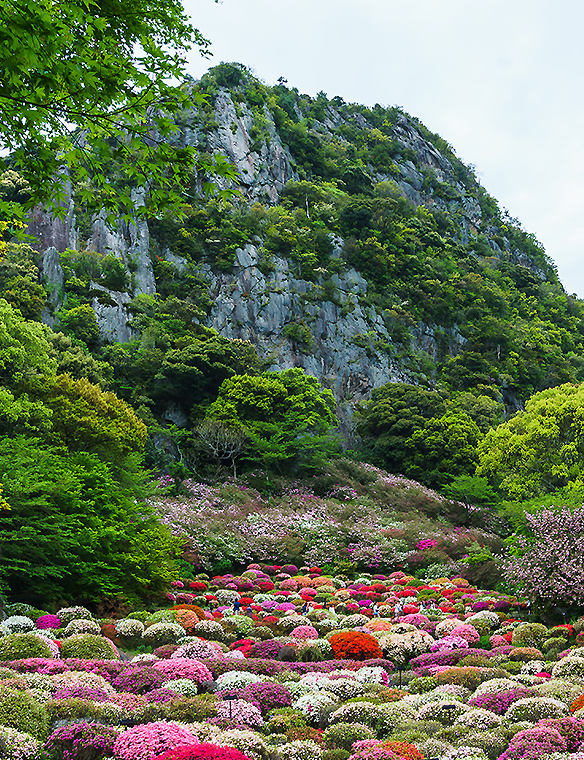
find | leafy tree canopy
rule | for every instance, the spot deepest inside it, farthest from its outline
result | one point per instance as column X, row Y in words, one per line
column 540, row 449
column 88, row 83
column 25, row 348
column 444, row 447
column 72, row 532
column 287, row 414
column 394, row 413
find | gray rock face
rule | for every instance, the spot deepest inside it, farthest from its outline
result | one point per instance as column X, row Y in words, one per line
column 129, row 242
column 292, row 324
column 112, row 319
column 264, row 169
column 324, row 327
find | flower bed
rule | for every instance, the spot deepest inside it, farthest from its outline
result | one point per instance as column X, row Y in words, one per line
column 289, row 681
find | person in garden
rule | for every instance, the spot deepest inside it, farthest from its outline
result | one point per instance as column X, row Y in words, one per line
column 376, row 610
column 236, row 606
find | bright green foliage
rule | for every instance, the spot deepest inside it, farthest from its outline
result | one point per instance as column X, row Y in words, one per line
column 287, row 414
column 470, row 490
column 85, row 418
column 87, row 646
column 444, row 447
column 73, row 531
column 80, row 322
column 25, row 350
column 20, row 710
column 540, row 449
column 107, row 69
column 18, row 646
column 74, row 361
column 19, row 280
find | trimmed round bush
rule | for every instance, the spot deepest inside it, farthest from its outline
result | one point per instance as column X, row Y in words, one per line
column 18, row 624
column 343, row 735
column 183, row 686
column 570, row 668
column 67, row 614
column 533, row 743
column 48, row 622
column 21, row 646
column 183, row 668
column 139, row 679
column 529, row 635
column 158, row 634
column 145, row 742
column 87, row 646
column 18, row 745
column 129, row 628
column 82, row 741
column 82, row 626
column 534, row 709
column 203, row 752
column 19, row 710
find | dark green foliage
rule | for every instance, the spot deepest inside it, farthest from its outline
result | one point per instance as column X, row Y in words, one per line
column 396, row 411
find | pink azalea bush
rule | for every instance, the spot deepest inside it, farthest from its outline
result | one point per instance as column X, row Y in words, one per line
column 145, row 742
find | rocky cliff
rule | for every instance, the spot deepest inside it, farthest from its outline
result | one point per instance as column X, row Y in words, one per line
column 327, row 323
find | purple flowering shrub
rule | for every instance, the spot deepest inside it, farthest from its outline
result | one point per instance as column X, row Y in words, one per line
column 139, row 680
column 571, row 729
column 82, row 692
column 81, row 741
column 499, row 702
column 266, row 649
column 533, row 743
column 48, row 621
column 266, row 696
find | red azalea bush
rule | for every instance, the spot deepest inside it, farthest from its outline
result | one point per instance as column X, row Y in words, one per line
column 203, row 752
column 354, row 645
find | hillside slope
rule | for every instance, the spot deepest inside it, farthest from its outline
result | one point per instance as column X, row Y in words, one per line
column 362, row 250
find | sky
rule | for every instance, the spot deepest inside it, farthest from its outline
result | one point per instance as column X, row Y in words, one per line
column 500, row 80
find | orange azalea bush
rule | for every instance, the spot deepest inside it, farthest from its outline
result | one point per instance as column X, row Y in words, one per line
column 354, row 645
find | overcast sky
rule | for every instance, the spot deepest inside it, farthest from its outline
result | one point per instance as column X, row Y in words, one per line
column 500, row 80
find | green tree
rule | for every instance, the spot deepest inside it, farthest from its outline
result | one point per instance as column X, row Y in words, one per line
column 444, row 447
column 540, row 449
column 88, row 83
column 470, row 489
column 287, row 414
column 25, row 348
column 394, row 413
column 192, row 374
column 73, row 532
column 81, row 322
column 85, row 418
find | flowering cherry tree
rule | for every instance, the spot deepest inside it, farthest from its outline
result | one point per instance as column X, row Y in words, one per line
column 549, row 564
